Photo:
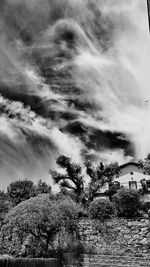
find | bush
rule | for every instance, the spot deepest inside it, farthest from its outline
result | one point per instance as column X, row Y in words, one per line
column 101, row 209
column 127, row 202
column 30, row 228
column 145, row 206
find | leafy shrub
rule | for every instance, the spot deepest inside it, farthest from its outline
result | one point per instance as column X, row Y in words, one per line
column 31, row 227
column 145, row 206
column 74, row 246
column 113, row 188
column 127, row 202
column 101, row 209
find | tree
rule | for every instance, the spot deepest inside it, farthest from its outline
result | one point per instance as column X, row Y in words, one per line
column 31, row 226
column 4, row 205
column 72, row 182
column 145, row 165
column 127, row 202
column 72, row 179
column 100, row 175
column 20, row 190
column 43, row 188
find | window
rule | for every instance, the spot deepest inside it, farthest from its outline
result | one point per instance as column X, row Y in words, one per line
column 131, row 173
column 133, row 185
column 148, row 184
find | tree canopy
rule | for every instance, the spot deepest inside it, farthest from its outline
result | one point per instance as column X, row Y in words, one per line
column 31, row 226
column 4, row 205
column 127, row 202
column 21, row 190
column 145, row 164
column 72, row 179
column 100, row 175
column 43, row 188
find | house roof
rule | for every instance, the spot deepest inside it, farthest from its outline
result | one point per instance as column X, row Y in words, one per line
column 132, row 163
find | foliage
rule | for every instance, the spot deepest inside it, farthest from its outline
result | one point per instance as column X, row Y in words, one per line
column 145, row 206
column 145, row 164
column 72, row 179
column 143, row 188
column 72, row 182
column 113, row 188
column 101, row 209
column 31, row 227
column 43, row 188
column 99, row 175
column 70, row 193
column 4, row 205
column 69, row 244
column 20, row 190
column 127, row 202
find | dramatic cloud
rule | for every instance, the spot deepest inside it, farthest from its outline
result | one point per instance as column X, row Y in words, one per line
column 74, row 76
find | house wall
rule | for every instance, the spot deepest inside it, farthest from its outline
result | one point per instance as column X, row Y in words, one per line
column 127, row 177
column 130, row 168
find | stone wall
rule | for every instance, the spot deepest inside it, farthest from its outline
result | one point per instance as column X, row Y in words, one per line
column 118, row 235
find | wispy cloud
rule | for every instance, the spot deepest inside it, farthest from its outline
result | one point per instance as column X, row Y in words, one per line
column 73, row 80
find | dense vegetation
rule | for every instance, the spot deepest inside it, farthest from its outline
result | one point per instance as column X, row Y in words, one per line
column 36, row 222
column 127, row 202
column 101, row 209
column 30, row 228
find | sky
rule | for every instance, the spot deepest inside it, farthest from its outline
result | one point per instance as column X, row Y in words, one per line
column 74, row 80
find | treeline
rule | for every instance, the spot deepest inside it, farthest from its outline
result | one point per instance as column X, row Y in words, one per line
column 19, row 191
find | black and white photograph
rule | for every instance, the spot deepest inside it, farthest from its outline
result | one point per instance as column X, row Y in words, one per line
column 74, row 133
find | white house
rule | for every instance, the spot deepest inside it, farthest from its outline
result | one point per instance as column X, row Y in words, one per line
column 131, row 176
